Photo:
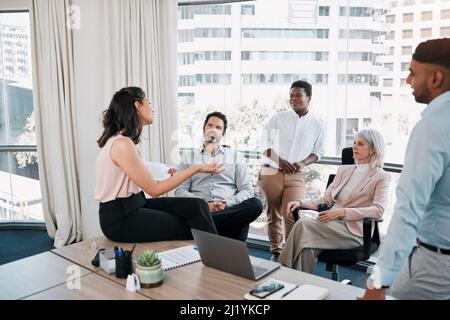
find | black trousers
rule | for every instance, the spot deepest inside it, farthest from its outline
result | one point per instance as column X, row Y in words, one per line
column 137, row 219
column 234, row 222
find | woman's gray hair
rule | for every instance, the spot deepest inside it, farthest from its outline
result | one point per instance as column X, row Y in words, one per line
column 376, row 142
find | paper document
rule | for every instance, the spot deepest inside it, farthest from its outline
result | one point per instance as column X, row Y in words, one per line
column 158, row 170
column 310, row 214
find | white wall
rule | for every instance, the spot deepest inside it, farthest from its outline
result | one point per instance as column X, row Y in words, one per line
column 91, row 99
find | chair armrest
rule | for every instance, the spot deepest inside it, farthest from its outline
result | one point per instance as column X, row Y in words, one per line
column 374, row 219
column 367, row 235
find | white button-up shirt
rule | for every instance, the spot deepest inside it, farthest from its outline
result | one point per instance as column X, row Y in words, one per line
column 292, row 137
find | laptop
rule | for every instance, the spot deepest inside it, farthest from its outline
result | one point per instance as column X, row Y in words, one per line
column 231, row 256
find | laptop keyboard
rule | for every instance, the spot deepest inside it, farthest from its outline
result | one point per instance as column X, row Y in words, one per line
column 258, row 270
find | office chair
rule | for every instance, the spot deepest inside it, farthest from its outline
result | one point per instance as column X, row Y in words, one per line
column 347, row 257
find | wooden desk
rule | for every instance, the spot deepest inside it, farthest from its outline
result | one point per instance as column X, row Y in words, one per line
column 197, row 280
column 28, row 276
column 92, row 287
column 82, row 254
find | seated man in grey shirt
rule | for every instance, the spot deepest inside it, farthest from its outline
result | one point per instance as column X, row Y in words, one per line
column 229, row 195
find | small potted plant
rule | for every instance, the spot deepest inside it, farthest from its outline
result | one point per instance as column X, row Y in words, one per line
column 149, row 269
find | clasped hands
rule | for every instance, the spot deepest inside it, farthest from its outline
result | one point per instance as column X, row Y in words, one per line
column 217, row 205
column 288, row 167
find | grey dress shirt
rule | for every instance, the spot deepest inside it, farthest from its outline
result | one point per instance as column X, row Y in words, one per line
column 233, row 185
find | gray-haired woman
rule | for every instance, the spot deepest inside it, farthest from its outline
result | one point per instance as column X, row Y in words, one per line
column 358, row 191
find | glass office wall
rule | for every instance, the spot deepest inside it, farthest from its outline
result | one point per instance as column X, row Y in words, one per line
column 241, row 57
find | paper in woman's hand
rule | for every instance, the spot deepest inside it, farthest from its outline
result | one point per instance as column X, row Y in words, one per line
column 309, row 214
column 158, row 170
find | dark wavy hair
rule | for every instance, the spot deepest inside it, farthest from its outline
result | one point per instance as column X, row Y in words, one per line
column 123, row 115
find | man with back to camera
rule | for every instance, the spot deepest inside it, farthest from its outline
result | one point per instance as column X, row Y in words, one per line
column 415, row 255
column 291, row 140
column 230, row 195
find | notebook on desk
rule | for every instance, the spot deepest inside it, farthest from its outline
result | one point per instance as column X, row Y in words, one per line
column 175, row 258
column 290, row 292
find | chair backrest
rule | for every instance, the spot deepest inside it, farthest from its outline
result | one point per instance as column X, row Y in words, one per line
column 346, row 158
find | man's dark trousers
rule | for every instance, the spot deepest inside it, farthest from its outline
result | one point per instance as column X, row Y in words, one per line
column 233, row 222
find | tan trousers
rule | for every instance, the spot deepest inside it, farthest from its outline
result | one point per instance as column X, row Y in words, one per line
column 309, row 237
column 280, row 188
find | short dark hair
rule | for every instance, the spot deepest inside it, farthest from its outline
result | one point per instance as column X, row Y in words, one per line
column 303, row 84
column 219, row 115
column 434, row 51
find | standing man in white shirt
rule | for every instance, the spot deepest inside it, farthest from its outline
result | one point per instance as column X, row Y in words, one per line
column 291, row 140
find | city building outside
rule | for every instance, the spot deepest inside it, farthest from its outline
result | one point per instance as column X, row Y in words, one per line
column 240, row 58
column 20, row 193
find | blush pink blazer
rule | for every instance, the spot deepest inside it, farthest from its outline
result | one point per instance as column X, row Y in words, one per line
column 369, row 199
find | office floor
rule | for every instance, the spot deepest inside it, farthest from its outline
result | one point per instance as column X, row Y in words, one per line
column 18, row 244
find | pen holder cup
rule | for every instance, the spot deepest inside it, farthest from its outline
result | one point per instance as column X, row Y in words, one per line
column 124, row 266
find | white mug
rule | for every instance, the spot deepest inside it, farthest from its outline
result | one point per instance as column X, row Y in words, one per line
column 133, row 283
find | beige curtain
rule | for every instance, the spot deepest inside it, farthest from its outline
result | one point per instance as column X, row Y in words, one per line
column 56, row 127
column 141, row 42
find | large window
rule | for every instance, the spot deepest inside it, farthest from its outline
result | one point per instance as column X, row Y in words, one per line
column 345, row 132
column 427, row 15
column 248, row 10
column 276, row 33
column 426, row 32
column 284, row 55
column 356, row 11
column 445, row 14
column 407, row 50
column 390, row 18
column 20, row 194
column 324, row 11
column 356, row 63
column 445, row 32
column 408, row 17
column 407, row 34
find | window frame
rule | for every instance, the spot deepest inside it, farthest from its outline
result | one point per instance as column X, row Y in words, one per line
column 20, row 6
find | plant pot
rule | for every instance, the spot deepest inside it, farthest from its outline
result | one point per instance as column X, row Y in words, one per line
column 150, row 277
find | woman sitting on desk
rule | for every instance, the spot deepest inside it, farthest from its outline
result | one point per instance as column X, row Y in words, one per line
column 358, row 191
column 125, row 214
